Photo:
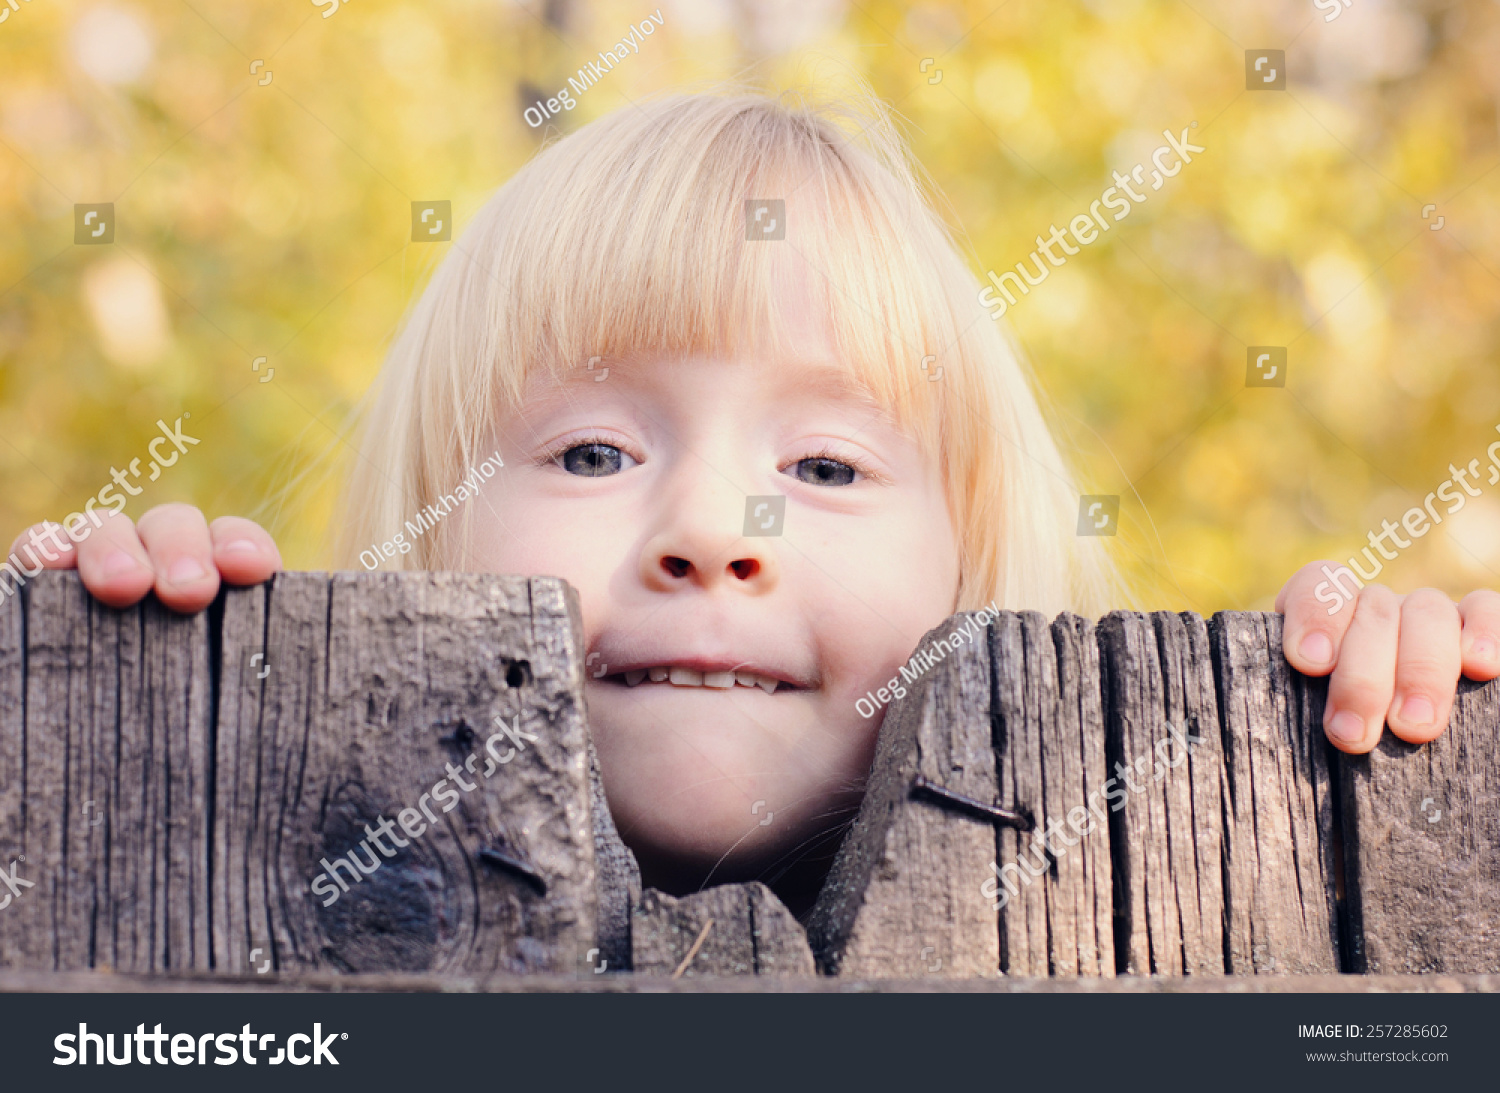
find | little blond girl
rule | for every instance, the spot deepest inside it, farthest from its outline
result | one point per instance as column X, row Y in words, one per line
column 745, row 399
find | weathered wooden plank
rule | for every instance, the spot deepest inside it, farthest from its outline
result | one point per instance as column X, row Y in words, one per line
column 109, row 812
column 1055, row 919
column 84, row 982
column 752, row 933
column 47, row 925
column 1422, row 846
column 619, row 878
column 1279, row 843
column 14, row 950
column 125, row 932
column 902, row 897
column 1164, row 792
column 781, row 947
column 1225, row 864
column 273, row 675
column 472, row 846
column 178, row 691
column 375, row 690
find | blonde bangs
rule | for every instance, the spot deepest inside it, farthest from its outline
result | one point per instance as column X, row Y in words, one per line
column 628, row 238
column 635, row 243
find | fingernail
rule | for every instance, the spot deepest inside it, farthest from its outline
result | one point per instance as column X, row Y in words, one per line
column 118, row 562
column 240, row 546
column 1347, row 727
column 184, row 570
column 1417, row 710
column 1316, row 648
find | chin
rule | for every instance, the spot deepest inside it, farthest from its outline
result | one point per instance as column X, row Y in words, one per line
column 686, row 829
column 704, row 790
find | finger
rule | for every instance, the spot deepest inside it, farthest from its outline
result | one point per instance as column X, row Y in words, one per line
column 1319, row 605
column 112, row 561
column 1427, row 666
column 243, row 551
column 176, row 537
column 1481, row 637
column 46, row 545
column 1359, row 693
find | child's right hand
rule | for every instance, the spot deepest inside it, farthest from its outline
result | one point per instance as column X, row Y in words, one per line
column 173, row 550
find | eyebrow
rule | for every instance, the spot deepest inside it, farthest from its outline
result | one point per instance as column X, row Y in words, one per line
column 836, row 383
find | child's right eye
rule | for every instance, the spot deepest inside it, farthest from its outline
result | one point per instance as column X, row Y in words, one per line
column 593, row 460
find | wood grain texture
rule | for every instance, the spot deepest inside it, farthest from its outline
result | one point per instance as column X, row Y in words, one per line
column 172, row 788
column 108, row 818
column 1165, row 777
column 1054, row 883
column 1422, row 846
column 619, row 876
column 15, row 982
column 903, row 895
column 1280, row 837
column 402, row 717
column 17, row 948
column 154, row 829
column 752, row 934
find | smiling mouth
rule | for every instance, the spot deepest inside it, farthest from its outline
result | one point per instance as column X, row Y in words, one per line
column 673, row 675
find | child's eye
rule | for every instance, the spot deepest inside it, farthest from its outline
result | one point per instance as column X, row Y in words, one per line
column 593, row 460
column 821, row 470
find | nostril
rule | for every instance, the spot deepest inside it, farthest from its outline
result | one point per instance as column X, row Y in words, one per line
column 677, row 567
column 745, row 568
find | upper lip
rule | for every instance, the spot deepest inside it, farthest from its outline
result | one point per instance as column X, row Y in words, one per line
column 704, row 662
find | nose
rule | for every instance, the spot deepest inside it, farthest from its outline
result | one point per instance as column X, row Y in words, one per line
column 698, row 550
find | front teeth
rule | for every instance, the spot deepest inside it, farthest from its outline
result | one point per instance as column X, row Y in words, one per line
column 691, row 677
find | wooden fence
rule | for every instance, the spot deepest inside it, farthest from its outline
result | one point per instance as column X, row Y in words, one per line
column 185, row 794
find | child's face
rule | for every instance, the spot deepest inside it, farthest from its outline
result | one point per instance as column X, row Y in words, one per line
column 634, row 489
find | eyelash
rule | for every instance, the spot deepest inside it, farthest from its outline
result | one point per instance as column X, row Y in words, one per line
column 827, row 451
column 553, row 455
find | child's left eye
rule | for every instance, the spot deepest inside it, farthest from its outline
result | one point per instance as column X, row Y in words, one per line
column 820, row 470
column 593, row 459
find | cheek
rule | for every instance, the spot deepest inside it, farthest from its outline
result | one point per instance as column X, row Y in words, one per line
column 541, row 543
column 887, row 596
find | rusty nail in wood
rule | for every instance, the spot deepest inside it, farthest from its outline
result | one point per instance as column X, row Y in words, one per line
column 522, row 869
column 941, row 795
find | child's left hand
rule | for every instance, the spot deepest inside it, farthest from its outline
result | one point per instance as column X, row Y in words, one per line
column 1395, row 659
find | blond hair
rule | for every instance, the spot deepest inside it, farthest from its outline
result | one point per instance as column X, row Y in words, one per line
column 628, row 237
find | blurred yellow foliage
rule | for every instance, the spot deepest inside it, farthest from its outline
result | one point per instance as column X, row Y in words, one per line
column 262, row 158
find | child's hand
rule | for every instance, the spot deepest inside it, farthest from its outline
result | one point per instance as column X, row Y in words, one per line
column 173, row 550
column 1395, row 659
